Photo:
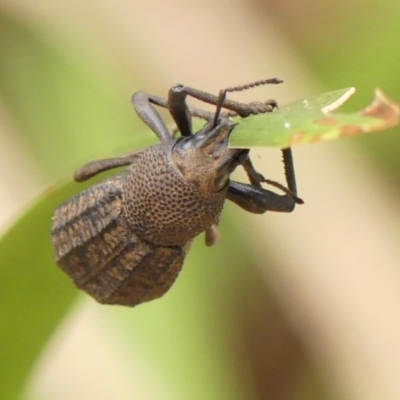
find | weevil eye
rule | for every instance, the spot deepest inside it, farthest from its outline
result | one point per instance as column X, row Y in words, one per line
column 184, row 144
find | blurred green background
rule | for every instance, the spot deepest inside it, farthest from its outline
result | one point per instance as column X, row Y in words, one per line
column 301, row 306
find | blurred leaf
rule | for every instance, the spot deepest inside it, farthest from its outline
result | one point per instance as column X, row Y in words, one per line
column 65, row 103
column 65, row 108
column 37, row 294
column 341, row 52
column 34, row 295
column 190, row 335
column 311, row 121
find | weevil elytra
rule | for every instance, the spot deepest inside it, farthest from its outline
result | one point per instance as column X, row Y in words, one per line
column 124, row 240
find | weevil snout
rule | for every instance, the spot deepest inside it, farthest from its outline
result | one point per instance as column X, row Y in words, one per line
column 205, row 159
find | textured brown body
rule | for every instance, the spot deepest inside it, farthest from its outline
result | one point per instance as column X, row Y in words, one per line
column 124, row 241
column 164, row 207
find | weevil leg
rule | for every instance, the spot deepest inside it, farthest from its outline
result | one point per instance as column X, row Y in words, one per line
column 272, row 103
column 256, row 178
column 206, row 115
column 143, row 104
column 177, row 107
column 179, row 110
column 242, row 109
column 194, row 112
column 255, row 199
column 287, row 157
column 212, row 235
column 182, row 114
column 95, row 167
column 257, row 107
column 259, row 200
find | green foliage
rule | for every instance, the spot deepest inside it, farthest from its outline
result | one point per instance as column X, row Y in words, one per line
column 37, row 295
column 60, row 104
column 65, row 107
column 34, row 297
column 312, row 120
column 340, row 50
column 35, row 288
column 69, row 112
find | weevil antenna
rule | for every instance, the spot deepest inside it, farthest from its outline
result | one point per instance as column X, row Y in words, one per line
column 251, row 85
column 222, row 94
column 220, row 102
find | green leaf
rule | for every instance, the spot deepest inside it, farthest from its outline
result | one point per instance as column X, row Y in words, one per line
column 34, row 296
column 65, row 109
column 312, row 120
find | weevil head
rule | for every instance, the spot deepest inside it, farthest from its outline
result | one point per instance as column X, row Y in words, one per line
column 204, row 158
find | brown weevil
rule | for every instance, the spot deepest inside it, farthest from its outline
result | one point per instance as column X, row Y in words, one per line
column 124, row 240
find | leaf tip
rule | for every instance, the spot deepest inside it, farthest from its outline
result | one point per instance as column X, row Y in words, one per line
column 384, row 108
column 338, row 102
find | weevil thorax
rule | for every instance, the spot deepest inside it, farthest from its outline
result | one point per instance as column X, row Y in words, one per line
column 174, row 194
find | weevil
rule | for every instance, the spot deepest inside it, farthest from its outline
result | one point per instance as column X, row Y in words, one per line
column 124, row 240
